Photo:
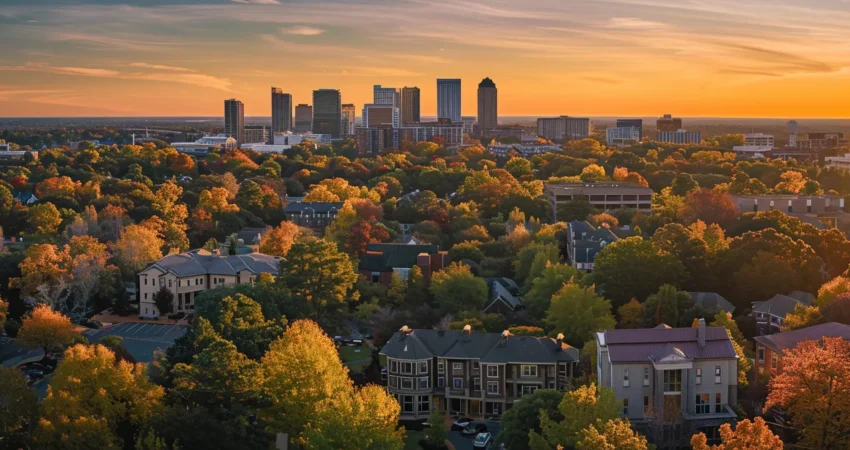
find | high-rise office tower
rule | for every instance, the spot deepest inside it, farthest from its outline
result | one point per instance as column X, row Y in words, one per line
column 234, row 120
column 448, row 99
column 281, row 111
column 668, row 123
column 386, row 96
column 410, row 105
column 303, row 118
column 327, row 112
column 488, row 114
column 348, row 116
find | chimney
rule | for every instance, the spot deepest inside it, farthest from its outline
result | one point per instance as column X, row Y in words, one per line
column 701, row 332
column 504, row 340
column 467, row 329
column 560, row 341
column 405, row 331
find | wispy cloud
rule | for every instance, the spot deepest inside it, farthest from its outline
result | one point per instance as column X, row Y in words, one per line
column 125, row 42
column 302, row 30
column 160, row 67
column 257, row 2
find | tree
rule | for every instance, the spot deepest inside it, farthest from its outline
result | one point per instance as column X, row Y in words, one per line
column 813, row 390
column 466, row 250
column 710, row 206
column 47, row 329
column 748, row 435
column 219, row 377
column 44, row 218
column 137, row 247
column 18, row 406
column 683, row 184
column 634, row 267
column 611, row 435
column 551, row 280
column 524, row 417
column 802, row 317
column 631, row 314
column 456, row 289
column 593, row 173
column 830, row 291
column 45, row 274
column 438, row 432
column 239, row 319
column 278, row 240
column 362, row 234
column 579, row 408
column 577, row 209
column 4, row 313
column 578, row 313
column 164, row 301
column 670, row 306
column 691, row 250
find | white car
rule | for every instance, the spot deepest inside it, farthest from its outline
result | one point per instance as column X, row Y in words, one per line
column 482, row 440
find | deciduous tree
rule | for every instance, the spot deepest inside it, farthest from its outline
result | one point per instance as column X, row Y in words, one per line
column 579, row 408
column 18, row 406
column 137, row 247
column 47, row 329
column 614, row 434
column 278, row 240
column 524, row 417
column 578, row 312
column 456, row 289
column 748, row 435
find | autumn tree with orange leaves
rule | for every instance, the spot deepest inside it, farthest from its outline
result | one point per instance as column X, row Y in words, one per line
column 755, row 435
column 814, row 390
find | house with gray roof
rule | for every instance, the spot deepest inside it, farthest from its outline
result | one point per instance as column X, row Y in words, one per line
column 503, row 296
column 672, row 381
column 584, row 242
column 472, row 373
column 712, row 300
column 771, row 348
column 187, row 274
column 316, row 215
column 770, row 315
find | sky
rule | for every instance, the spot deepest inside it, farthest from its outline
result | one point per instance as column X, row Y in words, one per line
column 692, row 58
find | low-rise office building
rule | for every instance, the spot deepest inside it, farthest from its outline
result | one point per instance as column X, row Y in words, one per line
column 472, row 373
column 602, row 196
column 841, row 162
column 680, row 137
column 525, row 150
column 790, row 203
column 206, row 145
column 622, row 136
column 564, row 128
column 673, row 382
column 759, row 140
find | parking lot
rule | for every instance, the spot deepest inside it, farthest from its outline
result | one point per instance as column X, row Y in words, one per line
column 142, row 339
column 462, row 442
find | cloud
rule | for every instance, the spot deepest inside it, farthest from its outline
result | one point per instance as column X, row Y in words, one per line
column 633, row 23
column 302, row 30
column 777, row 60
column 124, row 42
column 89, row 72
column 257, row 2
column 160, row 67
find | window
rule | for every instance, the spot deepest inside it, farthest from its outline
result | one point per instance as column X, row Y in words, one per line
column 393, row 366
column 424, row 404
column 550, row 370
column 406, row 368
column 625, row 377
column 423, row 383
column 703, row 405
column 441, row 382
column 407, row 403
column 169, row 283
column 761, row 355
column 406, row 383
column 475, row 365
column 376, row 277
column 774, row 361
column 699, row 376
column 394, row 382
column 202, row 281
column 529, row 371
column 492, row 371
column 441, row 368
column 146, row 281
column 423, row 367
column 457, row 383
column 492, row 387
column 527, row 390
column 146, row 295
column 646, row 377
column 647, row 410
column 476, row 383
column 716, row 374
column 718, row 403
column 673, row 381
column 625, row 407
column 457, row 368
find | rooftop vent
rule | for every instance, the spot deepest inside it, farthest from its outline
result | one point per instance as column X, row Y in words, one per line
column 467, row 329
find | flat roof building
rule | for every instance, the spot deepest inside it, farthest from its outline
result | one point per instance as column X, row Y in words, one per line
column 602, row 196
column 234, row 120
column 680, row 137
column 327, row 112
column 303, row 118
column 449, row 99
column 410, row 108
column 632, row 123
column 281, row 111
column 564, row 128
column 668, row 123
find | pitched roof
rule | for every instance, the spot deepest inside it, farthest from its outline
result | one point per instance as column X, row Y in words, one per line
column 384, row 257
column 712, row 300
column 317, row 207
column 197, row 262
column 790, row 339
column 498, row 292
column 588, row 241
column 488, row 347
column 642, row 345
column 780, row 305
column 251, row 236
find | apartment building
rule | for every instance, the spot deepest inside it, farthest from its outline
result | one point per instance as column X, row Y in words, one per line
column 770, row 348
column 187, row 274
column 564, row 128
column 680, row 137
column 584, row 242
column 472, row 373
column 673, row 382
column 316, row 215
column 602, row 196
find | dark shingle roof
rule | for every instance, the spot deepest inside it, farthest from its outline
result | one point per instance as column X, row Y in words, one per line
column 251, row 236
column 712, row 300
column 781, row 305
column 641, row 345
column 488, row 347
column 385, row 257
column 498, row 292
column 790, row 339
column 317, row 207
column 195, row 263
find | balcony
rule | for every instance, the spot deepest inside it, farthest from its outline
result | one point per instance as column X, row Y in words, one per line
column 723, row 412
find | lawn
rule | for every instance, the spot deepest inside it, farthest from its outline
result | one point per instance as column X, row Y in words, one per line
column 363, row 357
column 412, row 440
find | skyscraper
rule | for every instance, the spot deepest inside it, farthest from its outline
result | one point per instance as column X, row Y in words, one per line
column 448, row 99
column 488, row 115
column 410, row 105
column 386, row 96
column 348, row 116
column 234, row 120
column 281, row 111
column 327, row 112
column 303, row 118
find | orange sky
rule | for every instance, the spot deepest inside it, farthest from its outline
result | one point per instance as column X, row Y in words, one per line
column 720, row 58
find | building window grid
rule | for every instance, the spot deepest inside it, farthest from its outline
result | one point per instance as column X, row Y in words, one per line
column 625, row 407
column 718, row 403
column 761, row 355
column 406, row 368
column 423, row 367
column 492, row 371
column 672, row 381
column 528, row 370
column 457, row 383
column 492, row 387
column 703, row 404
column 441, row 382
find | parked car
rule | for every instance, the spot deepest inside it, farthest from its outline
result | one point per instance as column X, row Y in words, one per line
column 37, row 366
column 482, row 440
column 460, row 423
column 473, row 429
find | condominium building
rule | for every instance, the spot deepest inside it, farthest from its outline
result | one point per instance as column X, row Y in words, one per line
column 602, row 196
column 256, row 134
column 349, row 115
column 668, row 123
column 449, row 99
column 680, row 137
column 381, row 115
column 673, row 382
column 622, row 136
column 327, row 112
column 410, row 105
column 373, row 140
column 386, row 96
column 187, row 274
column 303, row 118
column 631, row 123
column 472, row 373
column 281, row 111
column 234, row 120
column 564, row 128
column 759, row 140
column 488, row 112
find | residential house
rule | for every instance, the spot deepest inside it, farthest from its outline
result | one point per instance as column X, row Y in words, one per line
column 584, row 242
column 382, row 260
column 472, row 373
column 673, row 382
column 316, row 215
column 770, row 348
column 187, row 274
column 770, row 315
column 503, row 296
column 251, row 236
column 712, row 300
column 26, row 198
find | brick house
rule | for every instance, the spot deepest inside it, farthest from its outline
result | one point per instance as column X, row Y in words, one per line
column 381, row 261
column 769, row 348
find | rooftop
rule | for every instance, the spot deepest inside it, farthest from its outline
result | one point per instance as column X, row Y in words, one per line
column 316, row 207
column 609, row 188
column 201, row 262
column 789, row 339
column 385, row 257
column 781, row 305
column 653, row 344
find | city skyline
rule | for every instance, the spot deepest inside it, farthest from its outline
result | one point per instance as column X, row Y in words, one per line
column 785, row 58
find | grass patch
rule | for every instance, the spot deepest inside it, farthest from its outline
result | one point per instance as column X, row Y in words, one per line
column 348, row 354
column 411, row 442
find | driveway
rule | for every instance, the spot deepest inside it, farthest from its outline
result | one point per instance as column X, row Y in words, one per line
column 462, row 442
